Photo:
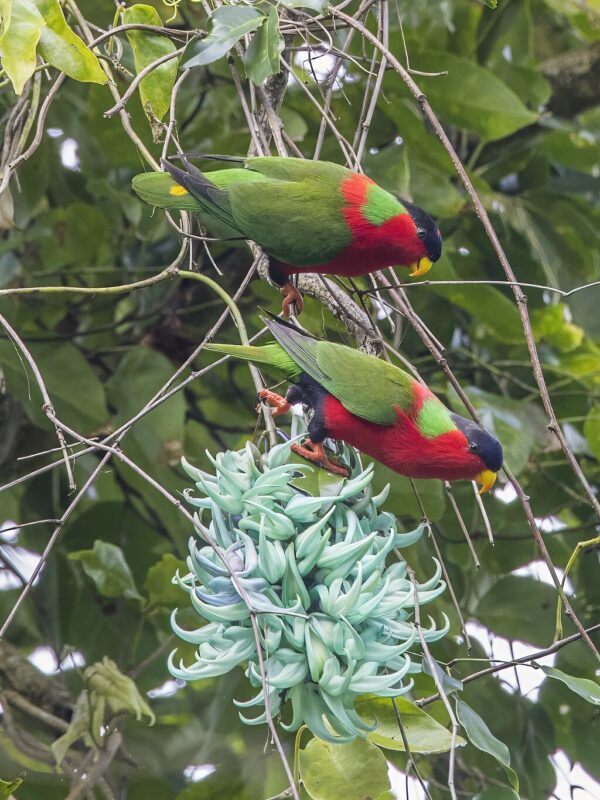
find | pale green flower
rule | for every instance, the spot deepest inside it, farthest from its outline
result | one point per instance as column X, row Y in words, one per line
column 334, row 620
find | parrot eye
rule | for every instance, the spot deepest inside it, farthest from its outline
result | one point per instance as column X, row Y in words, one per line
column 421, row 233
column 473, row 448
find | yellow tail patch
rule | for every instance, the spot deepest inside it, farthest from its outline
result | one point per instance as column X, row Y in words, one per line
column 177, row 190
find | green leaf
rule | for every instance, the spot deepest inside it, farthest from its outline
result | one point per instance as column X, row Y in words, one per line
column 472, row 97
column 497, row 793
column 262, row 56
column 74, row 387
column 139, row 375
column 492, row 309
column 161, row 590
column 229, row 24
column 9, row 787
column 320, row 6
column 64, row 49
column 552, row 325
column 106, row 680
column 19, row 40
column 423, row 733
column 591, row 430
column 155, row 88
column 449, row 683
column 489, row 3
column 584, row 687
column 7, row 210
column 294, row 123
column 481, row 736
column 354, row 771
column 105, row 564
column 501, row 609
column 526, row 83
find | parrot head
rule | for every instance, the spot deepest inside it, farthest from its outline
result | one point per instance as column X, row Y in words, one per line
column 428, row 240
column 483, row 452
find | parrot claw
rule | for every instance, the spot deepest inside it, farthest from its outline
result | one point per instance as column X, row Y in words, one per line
column 316, row 454
column 277, row 403
column 291, row 295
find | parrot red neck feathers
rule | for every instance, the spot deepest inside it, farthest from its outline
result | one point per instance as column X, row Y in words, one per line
column 386, row 229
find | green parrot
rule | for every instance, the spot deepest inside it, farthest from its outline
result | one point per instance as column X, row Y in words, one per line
column 308, row 216
column 373, row 406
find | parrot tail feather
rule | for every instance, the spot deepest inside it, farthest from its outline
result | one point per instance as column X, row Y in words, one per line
column 208, row 157
column 270, row 355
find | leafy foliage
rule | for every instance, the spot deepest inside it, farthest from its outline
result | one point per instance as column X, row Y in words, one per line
column 70, row 219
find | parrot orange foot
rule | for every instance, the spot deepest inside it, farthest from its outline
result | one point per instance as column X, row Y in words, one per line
column 291, row 295
column 278, row 403
column 316, row 454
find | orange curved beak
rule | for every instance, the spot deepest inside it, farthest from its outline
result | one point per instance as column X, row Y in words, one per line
column 421, row 267
column 486, row 480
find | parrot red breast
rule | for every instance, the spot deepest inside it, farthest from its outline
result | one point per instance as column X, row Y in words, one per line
column 373, row 406
column 308, row 216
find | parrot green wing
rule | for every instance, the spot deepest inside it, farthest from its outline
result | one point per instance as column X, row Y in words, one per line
column 295, row 213
column 364, row 385
column 299, row 223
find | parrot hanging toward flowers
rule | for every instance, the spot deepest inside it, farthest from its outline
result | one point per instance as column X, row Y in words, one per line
column 308, row 216
column 373, row 406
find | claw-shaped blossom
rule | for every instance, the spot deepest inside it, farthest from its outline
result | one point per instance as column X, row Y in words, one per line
column 334, row 608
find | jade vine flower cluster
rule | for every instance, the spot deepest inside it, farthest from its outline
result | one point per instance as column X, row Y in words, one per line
column 332, row 602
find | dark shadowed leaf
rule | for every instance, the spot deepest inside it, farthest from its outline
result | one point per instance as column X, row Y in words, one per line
column 501, row 609
column 481, row 736
column 591, row 430
column 73, row 386
column 159, row 582
column 497, row 793
column 105, row 564
column 472, row 97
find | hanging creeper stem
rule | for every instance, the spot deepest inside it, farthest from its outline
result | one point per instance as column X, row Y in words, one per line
column 558, row 633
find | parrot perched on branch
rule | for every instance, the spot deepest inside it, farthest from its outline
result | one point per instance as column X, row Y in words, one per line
column 373, row 406
column 308, row 216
